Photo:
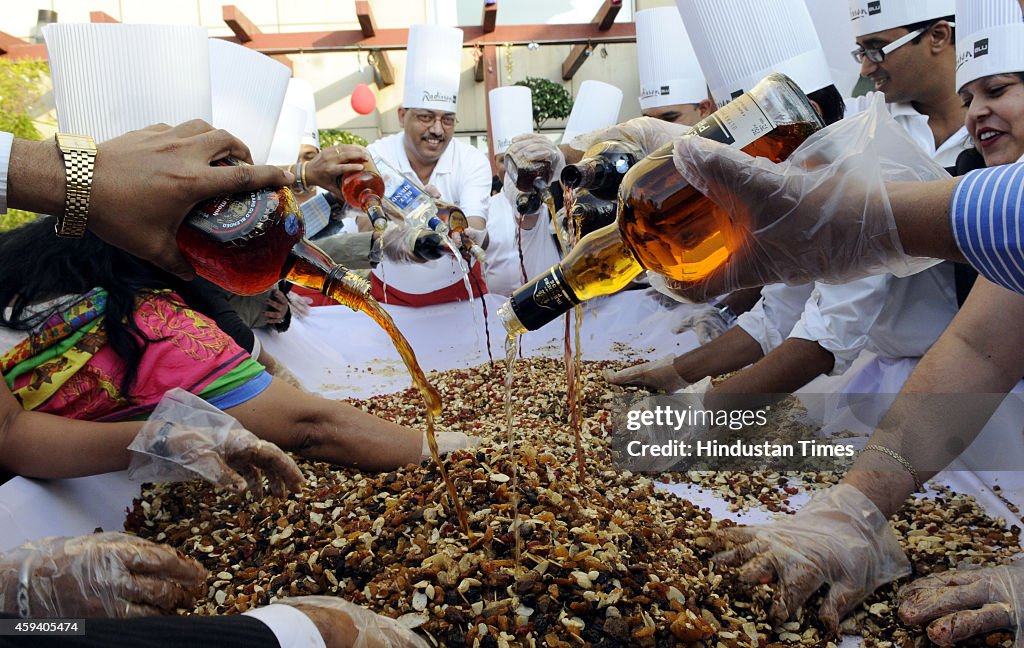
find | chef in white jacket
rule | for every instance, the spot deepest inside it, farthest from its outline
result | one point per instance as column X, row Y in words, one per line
column 511, row 110
column 426, row 151
column 796, row 333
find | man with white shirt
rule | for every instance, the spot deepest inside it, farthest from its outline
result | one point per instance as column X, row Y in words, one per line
column 796, row 333
column 426, row 152
column 521, row 247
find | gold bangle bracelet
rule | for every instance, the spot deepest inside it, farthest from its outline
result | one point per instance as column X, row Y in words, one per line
column 909, row 467
column 305, row 187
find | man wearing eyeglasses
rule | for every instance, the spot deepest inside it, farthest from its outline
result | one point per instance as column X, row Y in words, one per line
column 908, row 49
column 426, row 152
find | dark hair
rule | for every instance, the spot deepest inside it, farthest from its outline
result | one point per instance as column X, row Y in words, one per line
column 36, row 266
column 831, row 102
column 927, row 25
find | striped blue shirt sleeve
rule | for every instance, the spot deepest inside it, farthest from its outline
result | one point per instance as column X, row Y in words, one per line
column 987, row 217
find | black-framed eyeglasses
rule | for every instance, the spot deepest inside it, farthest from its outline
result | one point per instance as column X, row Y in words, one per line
column 877, row 54
column 427, row 118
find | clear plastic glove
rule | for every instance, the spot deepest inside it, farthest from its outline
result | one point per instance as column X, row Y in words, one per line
column 407, row 243
column 961, row 603
column 447, row 442
column 656, row 375
column 690, row 431
column 647, row 133
column 537, row 148
column 840, row 538
column 707, row 322
column 821, row 214
column 187, row 438
column 300, row 305
column 432, row 191
column 111, row 575
column 342, row 623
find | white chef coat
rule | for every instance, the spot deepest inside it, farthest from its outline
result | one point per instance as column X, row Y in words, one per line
column 463, row 176
column 895, row 317
column 502, row 272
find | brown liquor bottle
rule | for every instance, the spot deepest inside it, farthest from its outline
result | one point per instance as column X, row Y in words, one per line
column 602, row 168
column 247, row 242
column 665, row 225
column 363, row 190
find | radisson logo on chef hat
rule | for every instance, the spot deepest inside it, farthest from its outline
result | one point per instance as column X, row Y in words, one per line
column 433, row 64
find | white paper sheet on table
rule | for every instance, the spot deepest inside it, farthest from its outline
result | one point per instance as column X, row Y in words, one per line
column 333, row 350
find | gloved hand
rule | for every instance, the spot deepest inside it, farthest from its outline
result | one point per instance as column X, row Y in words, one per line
column 186, row 437
column 840, row 538
column 707, row 322
column 342, row 623
column 300, row 305
column 821, row 214
column 102, row 575
column 656, row 375
column 448, row 441
column 961, row 603
column 659, row 433
column 407, row 243
column 537, row 148
column 647, row 133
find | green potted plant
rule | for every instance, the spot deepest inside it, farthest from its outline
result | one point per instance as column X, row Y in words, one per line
column 550, row 100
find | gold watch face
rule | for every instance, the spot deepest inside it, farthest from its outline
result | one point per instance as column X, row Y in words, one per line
column 80, row 142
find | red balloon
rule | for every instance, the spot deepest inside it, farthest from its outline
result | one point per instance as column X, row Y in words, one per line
column 363, row 99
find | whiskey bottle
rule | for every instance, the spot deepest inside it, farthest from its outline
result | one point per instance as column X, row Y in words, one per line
column 363, row 190
column 663, row 223
column 528, row 175
column 602, row 168
column 591, row 213
column 247, row 242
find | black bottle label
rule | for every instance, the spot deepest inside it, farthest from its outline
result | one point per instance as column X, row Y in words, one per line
column 237, row 216
column 543, row 299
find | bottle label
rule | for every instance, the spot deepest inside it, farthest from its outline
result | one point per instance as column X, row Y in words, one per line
column 543, row 299
column 404, row 195
column 737, row 124
column 236, row 216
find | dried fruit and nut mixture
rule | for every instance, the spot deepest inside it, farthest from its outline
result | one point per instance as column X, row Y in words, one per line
column 608, row 559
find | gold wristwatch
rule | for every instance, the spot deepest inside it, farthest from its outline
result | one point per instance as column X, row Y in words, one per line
column 79, row 153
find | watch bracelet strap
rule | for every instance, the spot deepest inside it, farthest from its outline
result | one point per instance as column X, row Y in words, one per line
column 78, row 171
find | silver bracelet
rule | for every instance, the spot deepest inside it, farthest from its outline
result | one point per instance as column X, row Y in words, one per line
column 24, row 608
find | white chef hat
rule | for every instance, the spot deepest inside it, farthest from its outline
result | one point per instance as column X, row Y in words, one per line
column 433, row 64
column 300, row 95
column 109, row 78
column 739, row 42
column 596, row 106
column 832, row 22
column 669, row 70
column 990, row 39
column 248, row 90
column 872, row 16
column 511, row 114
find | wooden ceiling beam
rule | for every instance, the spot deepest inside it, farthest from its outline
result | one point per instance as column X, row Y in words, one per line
column 365, row 16
column 246, row 30
column 604, row 19
column 392, row 39
column 102, row 17
column 490, row 17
